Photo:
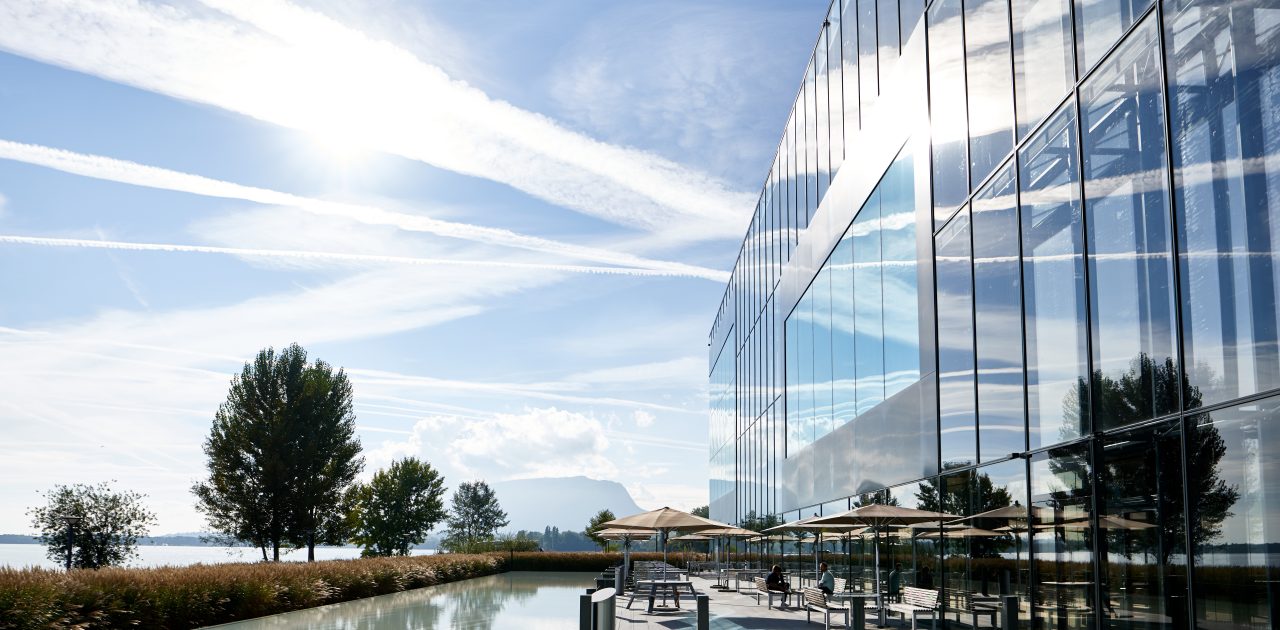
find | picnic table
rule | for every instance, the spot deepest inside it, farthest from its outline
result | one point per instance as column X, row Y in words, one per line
column 652, row 587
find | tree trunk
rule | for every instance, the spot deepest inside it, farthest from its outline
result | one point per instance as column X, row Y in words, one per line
column 264, row 552
column 275, row 549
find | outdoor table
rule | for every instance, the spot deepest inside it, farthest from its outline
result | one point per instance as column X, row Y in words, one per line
column 863, row 596
column 653, row 586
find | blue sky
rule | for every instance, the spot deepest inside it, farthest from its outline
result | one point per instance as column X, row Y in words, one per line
column 510, row 224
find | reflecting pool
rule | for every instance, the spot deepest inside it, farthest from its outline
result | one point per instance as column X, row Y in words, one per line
column 520, row 599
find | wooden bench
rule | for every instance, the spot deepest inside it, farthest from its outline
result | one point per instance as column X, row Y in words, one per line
column 966, row 603
column 815, row 599
column 916, row 602
column 762, row 588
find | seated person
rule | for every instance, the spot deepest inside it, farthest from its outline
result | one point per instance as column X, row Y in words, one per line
column 774, row 582
column 826, row 581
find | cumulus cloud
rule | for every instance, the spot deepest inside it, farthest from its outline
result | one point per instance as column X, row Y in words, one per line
column 643, row 419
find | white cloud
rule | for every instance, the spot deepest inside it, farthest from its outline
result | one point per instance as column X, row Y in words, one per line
column 688, row 371
column 110, row 169
column 643, row 418
column 296, row 68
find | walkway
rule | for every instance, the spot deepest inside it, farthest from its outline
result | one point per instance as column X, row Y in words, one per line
column 729, row 611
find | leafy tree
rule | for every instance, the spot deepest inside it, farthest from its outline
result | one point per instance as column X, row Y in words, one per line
column 704, row 511
column 596, row 524
column 107, row 531
column 474, row 516
column 397, row 508
column 282, row 451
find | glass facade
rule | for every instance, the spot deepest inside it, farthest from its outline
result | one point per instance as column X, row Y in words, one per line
column 1046, row 305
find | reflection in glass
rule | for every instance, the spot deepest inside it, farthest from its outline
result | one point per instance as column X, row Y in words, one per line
column 1129, row 240
column 822, row 103
column 997, row 296
column 1224, row 66
column 867, row 67
column 821, row 292
column 810, row 132
column 843, row 353
column 957, row 424
column 1233, row 476
column 1053, row 283
column 868, row 306
column 1142, row 557
column 1043, row 67
column 835, row 88
column 910, row 10
column 849, row 64
column 887, row 18
column 1061, row 535
column 901, row 303
column 986, row 40
column 1099, row 23
column 947, row 109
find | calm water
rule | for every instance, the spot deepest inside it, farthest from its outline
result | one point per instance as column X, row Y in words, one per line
column 510, row 600
column 158, row 555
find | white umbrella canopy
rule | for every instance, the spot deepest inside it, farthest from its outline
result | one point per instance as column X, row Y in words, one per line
column 878, row 516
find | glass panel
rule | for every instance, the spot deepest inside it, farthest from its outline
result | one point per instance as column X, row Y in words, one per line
column 822, row 102
column 821, row 291
column 868, row 307
column 947, row 111
column 1130, row 246
column 1061, row 534
column 1233, row 477
column 911, row 11
column 870, row 85
column 849, row 63
column 1100, row 23
column 793, row 382
column 1224, row 60
column 803, row 435
column 958, row 427
column 1142, row 543
column 901, row 302
column 1053, row 278
column 811, row 142
column 843, row 354
column 1042, row 56
column 887, row 18
column 997, row 296
column 835, row 88
column 986, row 39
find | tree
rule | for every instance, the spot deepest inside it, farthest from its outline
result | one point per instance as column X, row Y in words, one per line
column 475, row 516
column 704, row 511
column 397, row 508
column 107, row 531
column 596, row 524
column 282, row 451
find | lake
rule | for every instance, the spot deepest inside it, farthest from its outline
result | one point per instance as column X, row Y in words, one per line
column 520, row 599
column 178, row 555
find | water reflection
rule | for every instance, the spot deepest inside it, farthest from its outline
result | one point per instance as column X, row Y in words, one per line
column 517, row 599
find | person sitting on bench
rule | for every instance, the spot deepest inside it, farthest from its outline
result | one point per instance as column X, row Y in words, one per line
column 775, row 582
column 826, row 581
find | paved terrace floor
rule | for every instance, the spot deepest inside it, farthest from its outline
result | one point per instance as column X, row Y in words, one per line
column 729, row 611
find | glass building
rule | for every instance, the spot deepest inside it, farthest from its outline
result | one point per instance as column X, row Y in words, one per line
column 1022, row 255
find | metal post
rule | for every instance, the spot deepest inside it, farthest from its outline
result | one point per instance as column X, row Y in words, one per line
column 704, row 612
column 857, row 615
column 584, row 610
column 1009, row 612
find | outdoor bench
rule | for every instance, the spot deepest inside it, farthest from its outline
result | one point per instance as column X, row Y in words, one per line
column 916, row 602
column 815, row 599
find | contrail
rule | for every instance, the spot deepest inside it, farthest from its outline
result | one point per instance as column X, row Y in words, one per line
column 315, row 255
column 125, row 172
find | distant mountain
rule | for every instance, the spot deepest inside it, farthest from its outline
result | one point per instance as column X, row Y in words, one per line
column 564, row 502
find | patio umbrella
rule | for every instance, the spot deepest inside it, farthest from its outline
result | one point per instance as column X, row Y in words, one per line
column 664, row 520
column 626, row 536
column 728, row 532
column 810, row 525
column 878, row 517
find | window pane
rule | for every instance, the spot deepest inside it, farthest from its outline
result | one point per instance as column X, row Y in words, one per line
column 843, row 353
column 958, row 428
column 1053, row 283
column 810, row 131
column 986, row 38
column 849, row 63
column 822, row 124
column 1100, row 23
column 1061, row 539
column 803, row 434
column 901, row 303
column 1130, row 245
column 947, row 112
column 835, row 88
column 1224, row 62
column 867, row 52
column 868, row 305
column 793, row 382
column 911, row 11
column 1042, row 57
column 821, row 291
column 1233, row 476
column 1142, row 555
column 997, row 295
column 887, row 18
